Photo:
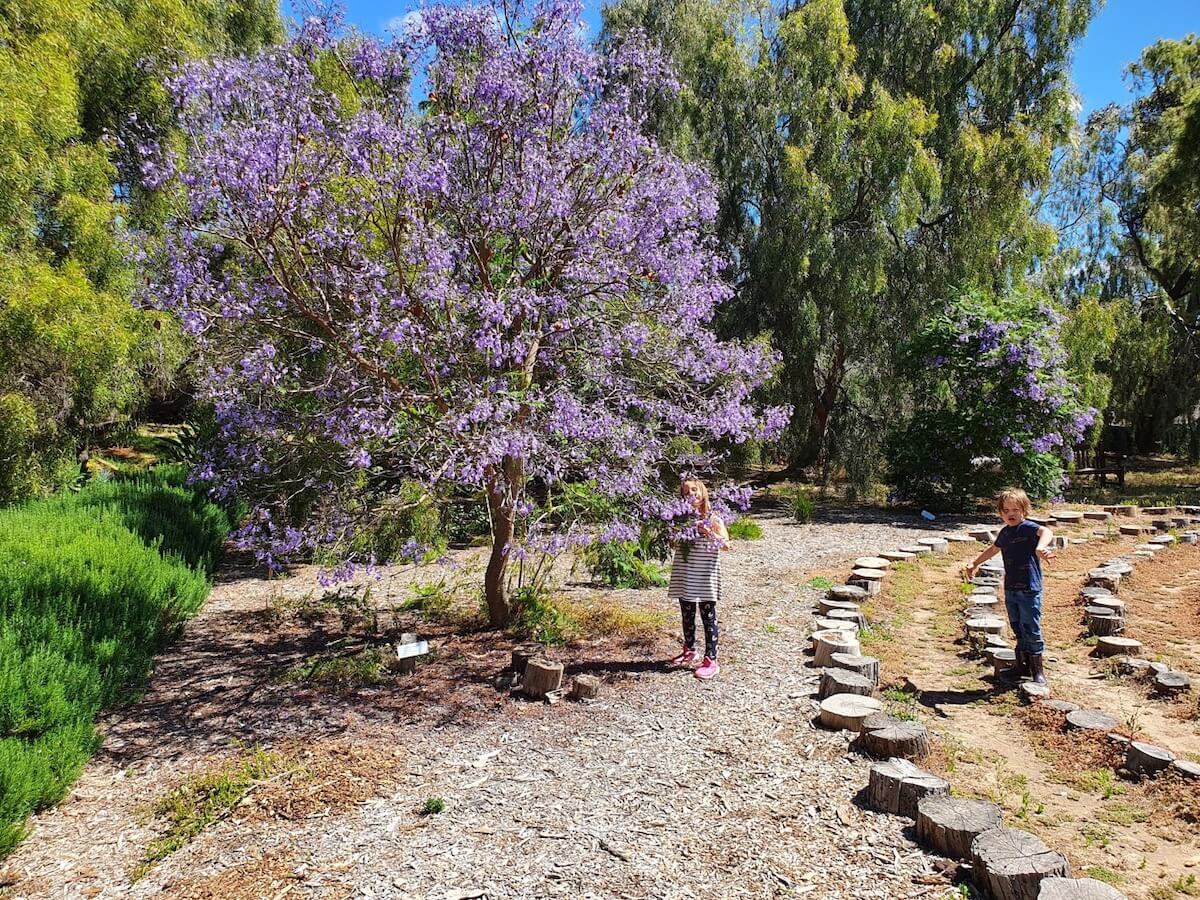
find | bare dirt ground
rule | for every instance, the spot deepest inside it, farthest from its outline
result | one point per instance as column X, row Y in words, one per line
column 663, row 788
column 1145, row 838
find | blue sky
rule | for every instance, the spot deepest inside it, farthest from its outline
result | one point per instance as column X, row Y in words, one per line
column 1115, row 39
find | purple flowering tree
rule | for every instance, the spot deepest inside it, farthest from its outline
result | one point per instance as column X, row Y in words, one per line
column 506, row 286
column 993, row 403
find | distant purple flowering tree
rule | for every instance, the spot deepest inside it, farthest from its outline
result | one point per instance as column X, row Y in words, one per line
column 992, row 405
column 507, row 287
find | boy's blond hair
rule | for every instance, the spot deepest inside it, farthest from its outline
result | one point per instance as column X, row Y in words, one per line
column 1016, row 496
column 705, row 505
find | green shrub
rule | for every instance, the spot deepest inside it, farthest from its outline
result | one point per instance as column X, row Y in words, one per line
column 623, row 564
column 433, row 806
column 537, row 617
column 745, row 529
column 798, row 502
column 90, row 586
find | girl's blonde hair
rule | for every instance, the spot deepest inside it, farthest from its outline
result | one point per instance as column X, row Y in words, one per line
column 705, row 506
column 1016, row 496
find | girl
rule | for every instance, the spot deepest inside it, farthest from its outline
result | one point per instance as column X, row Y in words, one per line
column 696, row 579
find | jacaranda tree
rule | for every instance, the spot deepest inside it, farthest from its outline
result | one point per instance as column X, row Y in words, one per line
column 506, row 286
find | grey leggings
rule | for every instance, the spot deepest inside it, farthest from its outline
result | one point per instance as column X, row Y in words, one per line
column 708, row 615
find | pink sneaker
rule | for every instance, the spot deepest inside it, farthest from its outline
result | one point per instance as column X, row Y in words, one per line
column 708, row 669
column 684, row 658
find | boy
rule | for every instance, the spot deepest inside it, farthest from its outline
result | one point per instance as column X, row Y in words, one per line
column 1022, row 543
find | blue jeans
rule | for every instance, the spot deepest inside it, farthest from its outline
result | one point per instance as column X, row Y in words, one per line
column 1025, row 617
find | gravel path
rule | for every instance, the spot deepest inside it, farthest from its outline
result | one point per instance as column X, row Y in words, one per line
column 664, row 788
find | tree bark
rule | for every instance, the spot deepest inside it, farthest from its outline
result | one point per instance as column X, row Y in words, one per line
column 503, row 485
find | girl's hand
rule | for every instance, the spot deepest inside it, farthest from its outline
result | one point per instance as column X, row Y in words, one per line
column 972, row 570
column 1046, row 553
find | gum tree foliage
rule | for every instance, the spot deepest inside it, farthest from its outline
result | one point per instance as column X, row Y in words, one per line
column 995, row 403
column 1128, row 198
column 874, row 156
column 77, row 81
column 508, row 287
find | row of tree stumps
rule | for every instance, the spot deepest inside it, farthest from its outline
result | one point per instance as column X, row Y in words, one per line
column 1004, row 863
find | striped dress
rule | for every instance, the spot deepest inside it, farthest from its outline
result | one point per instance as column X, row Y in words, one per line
column 696, row 572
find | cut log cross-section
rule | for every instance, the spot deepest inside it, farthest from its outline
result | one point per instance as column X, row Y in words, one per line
column 1101, row 621
column 848, row 592
column 542, row 677
column 1171, row 684
column 1091, row 720
column 947, row 825
column 853, row 616
column 843, row 681
column 1118, row 646
column 835, row 642
column 1056, row 888
column 897, row 786
column 847, row 711
column 903, row 740
column 867, row 666
column 1009, row 865
column 826, row 605
column 1146, row 759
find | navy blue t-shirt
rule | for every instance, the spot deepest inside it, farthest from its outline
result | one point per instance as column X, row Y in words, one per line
column 1018, row 546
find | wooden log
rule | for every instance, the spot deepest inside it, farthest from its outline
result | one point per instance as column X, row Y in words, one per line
column 1002, row 660
column 847, row 711
column 1008, row 864
column 1058, row 888
column 947, row 826
column 825, row 606
column 898, row 556
column 871, row 562
column 873, row 587
column 1155, row 510
column 850, row 593
column 866, row 666
column 1097, row 515
column 1102, row 621
column 1171, row 684
column 522, row 654
column 936, row 545
column 1117, row 646
column 1104, row 578
column 903, row 740
column 1091, row 720
column 839, row 642
column 853, row 616
column 1146, row 759
column 1186, row 769
column 585, row 687
column 1123, row 509
column 897, row 786
column 541, row 678
column 1117, row 607
column 843, row 681
column 818, row 635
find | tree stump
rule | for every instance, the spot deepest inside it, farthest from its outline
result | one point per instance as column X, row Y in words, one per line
column 937, row 545
column 1163, row 540
column 988, row 605
column 898, row 556
column 839, row 642
column 1069, row 517
column 985, row 590
column 522, row 654
column 817, row 635
column 978, row 612
column 853, row 616
column 1097, row 515
column 847, row 711
column 1031, row 691
column 1146, row 759
column 1009, row 865
column 1120, row 565
column 1105, row 578
column 1056, row 888
column 585, row 687
column 1091, row 720
column 1062, row 706
column 902, row 740
column 1143, row 554
column 897, row 786
column 1117, row 646
column 915, row 549
column 983, row 535
column 1101, row 621
column 1131, row 665
column 1117, row 607
column 871, row 562
column 1122, row 509
column 843, row 681
column 947, row 826
column 1155, row 510
column 1003, row 660
column 1186, row 769
column 1133, row 530
column 866, row 666
column 1093, row 592
column 825, row 606
column 825, row 623
column 1171, row 684
column 541, row 678
column 1146, row 548
column 985, row 625
column 1190, row 537
column 851, row 593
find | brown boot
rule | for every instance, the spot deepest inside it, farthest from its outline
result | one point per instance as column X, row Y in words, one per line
column 1021, row 668
column 1036, row 669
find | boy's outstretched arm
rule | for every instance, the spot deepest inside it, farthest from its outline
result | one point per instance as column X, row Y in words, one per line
column 983, row 557
column 1045, row 539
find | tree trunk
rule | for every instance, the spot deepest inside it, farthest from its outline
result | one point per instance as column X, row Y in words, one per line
column 503, row 485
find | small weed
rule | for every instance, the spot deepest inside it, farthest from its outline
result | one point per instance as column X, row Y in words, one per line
column 1100, row 873
column 745, row 529
column 876, row 633
column 1122, row 814
column 1096, row 835
column 433, row 806
column 1100, row 781
column 819, row 583
column 347, row 672
column 771, row 628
